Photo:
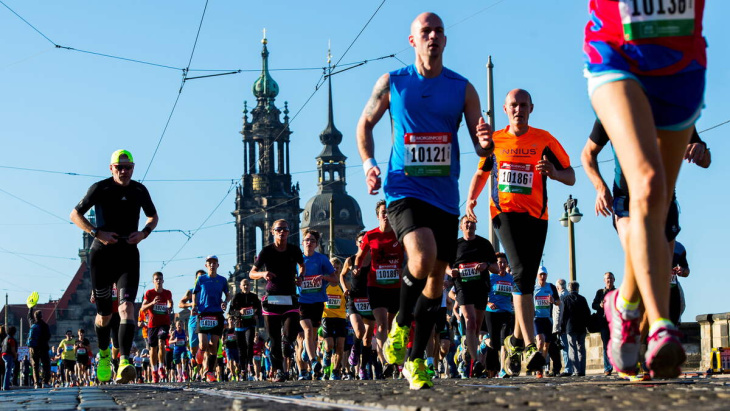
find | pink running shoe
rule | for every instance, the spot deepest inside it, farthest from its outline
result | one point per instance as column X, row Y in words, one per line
column 623, row 346
column 664, row 353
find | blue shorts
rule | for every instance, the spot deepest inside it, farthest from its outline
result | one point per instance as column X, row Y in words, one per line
column 192, row 334
column 178, row 353
column 232, row 354
column 676, row 101
column 671, row 228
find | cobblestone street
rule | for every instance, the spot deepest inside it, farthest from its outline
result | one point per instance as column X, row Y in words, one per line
column 524, row 393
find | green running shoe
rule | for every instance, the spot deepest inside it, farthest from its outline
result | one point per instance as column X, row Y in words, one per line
column 417, row 374
column 395, row 346
column 104, row 368
column 126, row 372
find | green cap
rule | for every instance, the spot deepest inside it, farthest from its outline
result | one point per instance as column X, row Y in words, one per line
column 116, row 156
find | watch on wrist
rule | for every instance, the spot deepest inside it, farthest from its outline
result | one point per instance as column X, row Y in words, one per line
column 94, row 232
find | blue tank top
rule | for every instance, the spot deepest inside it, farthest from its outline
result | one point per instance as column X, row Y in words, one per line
column 501, row 293
column 543, row 307
column 425, row 114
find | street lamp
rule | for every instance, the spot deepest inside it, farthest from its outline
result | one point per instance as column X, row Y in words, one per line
column 570, row 216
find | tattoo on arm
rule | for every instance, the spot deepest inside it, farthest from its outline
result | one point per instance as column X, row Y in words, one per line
column 382, row 88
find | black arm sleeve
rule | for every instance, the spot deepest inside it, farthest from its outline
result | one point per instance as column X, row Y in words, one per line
column 88, row 201
column 598, row 134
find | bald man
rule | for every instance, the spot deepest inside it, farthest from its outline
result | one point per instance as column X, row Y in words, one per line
column 524, row 158
column 426, row 102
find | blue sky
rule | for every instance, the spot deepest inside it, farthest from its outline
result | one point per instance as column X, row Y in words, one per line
column 66, row 111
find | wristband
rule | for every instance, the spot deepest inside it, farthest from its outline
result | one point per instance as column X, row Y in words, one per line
column 146, row 230
column 484, row 152
column 368, row 164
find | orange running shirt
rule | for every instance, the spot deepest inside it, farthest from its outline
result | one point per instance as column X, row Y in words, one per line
column 520, row 188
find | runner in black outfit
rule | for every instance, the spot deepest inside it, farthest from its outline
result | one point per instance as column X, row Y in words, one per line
column 114, row 257
column 280, row 306
column 245, row 309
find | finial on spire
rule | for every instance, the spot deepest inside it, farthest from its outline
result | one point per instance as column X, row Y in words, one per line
column 329, row 52
column 264, row 41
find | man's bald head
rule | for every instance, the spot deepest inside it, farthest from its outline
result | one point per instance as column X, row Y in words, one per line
column 432, row 18
column 516, row 93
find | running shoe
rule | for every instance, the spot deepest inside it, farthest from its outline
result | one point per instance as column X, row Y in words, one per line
column 185, row 376
column 503, row 374
column 364, row 374
column 163, row 374
column 477, row 369
column 126, row 372
column 462, row 370
column 388, row 370
column 335, row 376
column 533, row 359
column 514, row 358
column 623, row 346
column 317, row 369
column 210, row 377
column 304, row 376
column 104, row 368
column 327, row 359
column 354, row 358
column 416, row 374
column 431, row 371
column 395, row 346
column 155, row 377
column 664, row 353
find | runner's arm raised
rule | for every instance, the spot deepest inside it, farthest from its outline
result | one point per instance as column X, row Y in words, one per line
column 184, row 301
column 376, row 106
column 479, row 131
column 589, row 159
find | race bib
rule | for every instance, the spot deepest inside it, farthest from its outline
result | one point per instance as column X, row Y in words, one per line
column 516, row 177
column 231, row 337
column 333, row 301
column 69, row 347
column 427, row 154
column 643, row 19
column 311, row 284
column 247, row 313
column 542, row 301
column 673, row 281
column 180, row 343
column 159, row 308
column 81, row 351
column 363, row 306
column 469, row 272
column 279, row 299
column 386, row 274
column 207, row 323
column 503, row 288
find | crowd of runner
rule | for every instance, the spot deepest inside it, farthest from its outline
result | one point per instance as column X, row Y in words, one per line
column 421, row 300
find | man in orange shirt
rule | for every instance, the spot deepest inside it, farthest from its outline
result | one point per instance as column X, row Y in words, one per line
column 524, row 158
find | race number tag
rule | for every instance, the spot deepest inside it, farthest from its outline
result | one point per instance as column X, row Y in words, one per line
column 363, row 306
column 387, row 274
column 311, row 284
column 247, row 313
column 231, row 337
column 516, row 177
column 469, row 272
column 180, row 343
column 427, row 154
column 159, row 308
column 208, row 323
column 69, row 347
column 81, row 351
column 279, row 299
column 333, row 301
column 503, row 288
column 643, row 19
column 542, row 301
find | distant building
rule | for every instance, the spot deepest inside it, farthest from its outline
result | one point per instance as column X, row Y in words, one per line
column 266, row 193
column 332, row 172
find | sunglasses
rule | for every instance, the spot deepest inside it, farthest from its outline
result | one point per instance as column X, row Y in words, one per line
column 281, row 229
column 309, row 240
column 127, row 167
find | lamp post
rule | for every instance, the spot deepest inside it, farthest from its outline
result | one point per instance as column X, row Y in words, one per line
column 570, row 216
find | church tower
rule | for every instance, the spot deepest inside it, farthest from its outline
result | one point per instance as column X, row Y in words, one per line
column 331, row 169
column 266, row 193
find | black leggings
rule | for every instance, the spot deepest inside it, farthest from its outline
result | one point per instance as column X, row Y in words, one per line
column 499, row 326
column 244, row 339
column 275, row 324
column 523, row 238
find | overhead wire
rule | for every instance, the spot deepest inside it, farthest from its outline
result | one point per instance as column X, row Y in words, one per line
column 34, row 262
column 35, row 206
column 179, row 92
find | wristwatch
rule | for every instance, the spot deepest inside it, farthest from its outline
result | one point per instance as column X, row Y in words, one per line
column 94, row 232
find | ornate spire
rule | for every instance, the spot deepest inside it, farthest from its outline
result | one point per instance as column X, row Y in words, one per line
column 265, row 88
column 330, row 135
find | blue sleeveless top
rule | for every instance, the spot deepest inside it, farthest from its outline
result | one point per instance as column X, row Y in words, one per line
column 425, row 115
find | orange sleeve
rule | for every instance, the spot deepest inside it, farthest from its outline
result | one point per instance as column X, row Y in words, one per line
column 559, row 152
